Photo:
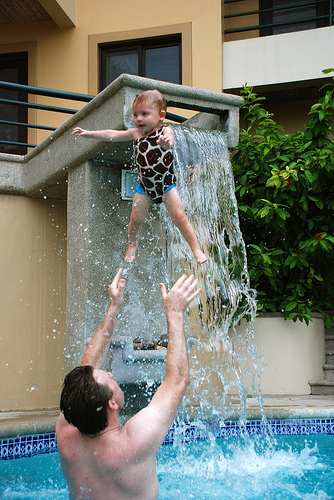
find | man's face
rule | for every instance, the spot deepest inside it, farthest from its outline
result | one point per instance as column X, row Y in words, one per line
column 106, row 378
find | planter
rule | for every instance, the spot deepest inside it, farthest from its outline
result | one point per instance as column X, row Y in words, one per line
column 294, row 352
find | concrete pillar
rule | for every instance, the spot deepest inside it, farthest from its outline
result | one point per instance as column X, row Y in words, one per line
column 98, row 220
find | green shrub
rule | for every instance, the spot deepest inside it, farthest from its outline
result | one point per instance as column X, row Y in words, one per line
column 285, row 193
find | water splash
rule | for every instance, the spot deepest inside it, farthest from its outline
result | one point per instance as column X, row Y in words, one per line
column 219, row 356
column 247, row 468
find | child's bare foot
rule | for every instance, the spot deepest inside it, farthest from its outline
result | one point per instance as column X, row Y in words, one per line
column 200, row 257
column 130, row 254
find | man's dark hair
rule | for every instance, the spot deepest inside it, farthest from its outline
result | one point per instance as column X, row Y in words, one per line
column 84, row 401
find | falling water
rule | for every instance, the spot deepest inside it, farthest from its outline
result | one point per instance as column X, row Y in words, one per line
column 220, row 356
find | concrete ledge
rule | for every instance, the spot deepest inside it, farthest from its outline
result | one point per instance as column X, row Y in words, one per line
column 276, row 407
column 45, row 167
column 23, row 423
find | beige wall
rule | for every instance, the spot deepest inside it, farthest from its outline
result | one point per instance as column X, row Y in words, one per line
column 294, row 352
column 32, row 301
column 64, row 59
column 292, row 116
column 288, row 355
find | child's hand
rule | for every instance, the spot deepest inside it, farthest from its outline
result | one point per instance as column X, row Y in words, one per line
column 166, row 139
column 80, row 131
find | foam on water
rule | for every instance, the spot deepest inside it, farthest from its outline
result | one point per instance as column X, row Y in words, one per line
column 247, row 468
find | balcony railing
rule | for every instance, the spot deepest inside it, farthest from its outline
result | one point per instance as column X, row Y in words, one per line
column 24, row 90
column 272, row 17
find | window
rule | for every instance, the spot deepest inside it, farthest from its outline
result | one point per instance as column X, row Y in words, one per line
column 292, row 15
column 158, row 58
column 13, row 69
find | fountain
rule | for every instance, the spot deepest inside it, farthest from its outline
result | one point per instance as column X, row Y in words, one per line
column 98, row 218
column 96, row 177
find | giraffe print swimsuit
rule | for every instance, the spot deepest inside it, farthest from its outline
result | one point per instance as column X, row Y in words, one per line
column 155, row 167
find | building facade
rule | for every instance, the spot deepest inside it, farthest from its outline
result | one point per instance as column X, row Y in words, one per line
column 280, row 47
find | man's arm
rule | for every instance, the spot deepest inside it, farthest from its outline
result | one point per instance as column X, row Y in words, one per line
column 105, row 135
column 147, row 429
column 98, row 347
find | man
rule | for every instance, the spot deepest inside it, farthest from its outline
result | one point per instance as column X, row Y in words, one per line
column 100, row 459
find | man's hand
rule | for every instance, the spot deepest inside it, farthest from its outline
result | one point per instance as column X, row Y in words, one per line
column 116, row 290
column 180, row 296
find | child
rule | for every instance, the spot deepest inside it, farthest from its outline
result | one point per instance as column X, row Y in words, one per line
column 154, row 142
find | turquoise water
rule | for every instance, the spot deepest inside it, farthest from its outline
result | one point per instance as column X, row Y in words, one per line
column 250, row 468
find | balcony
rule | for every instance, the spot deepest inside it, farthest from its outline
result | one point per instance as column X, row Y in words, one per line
column 244, row 19
column 283, row 44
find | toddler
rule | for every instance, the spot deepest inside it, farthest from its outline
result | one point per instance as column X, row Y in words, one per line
column 154, row 158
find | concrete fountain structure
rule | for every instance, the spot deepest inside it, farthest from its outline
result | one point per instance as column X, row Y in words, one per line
column 94, row 177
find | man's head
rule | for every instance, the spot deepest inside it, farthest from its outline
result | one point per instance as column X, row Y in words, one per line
column 85, row 398
column 153, row 97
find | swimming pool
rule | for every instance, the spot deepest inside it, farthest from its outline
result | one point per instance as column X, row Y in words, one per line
column 282, row 460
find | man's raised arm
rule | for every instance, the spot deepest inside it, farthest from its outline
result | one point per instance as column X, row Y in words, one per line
column 177, row 363
column 148, row 428
column 98, row 347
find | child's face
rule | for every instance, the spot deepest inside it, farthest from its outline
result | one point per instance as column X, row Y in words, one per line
column 147, row 117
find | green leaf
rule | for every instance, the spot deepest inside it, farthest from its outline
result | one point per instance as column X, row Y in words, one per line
column 291, row 305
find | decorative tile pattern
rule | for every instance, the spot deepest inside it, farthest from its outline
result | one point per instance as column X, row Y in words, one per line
column 288, row 427
column 28, row 446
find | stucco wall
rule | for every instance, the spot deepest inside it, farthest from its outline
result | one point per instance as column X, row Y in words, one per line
column 293, row 352
column 32, row 301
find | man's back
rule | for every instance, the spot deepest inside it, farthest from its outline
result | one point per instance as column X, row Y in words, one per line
column 106, row 466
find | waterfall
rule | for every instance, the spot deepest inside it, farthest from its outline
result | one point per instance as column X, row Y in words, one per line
column 219, row 367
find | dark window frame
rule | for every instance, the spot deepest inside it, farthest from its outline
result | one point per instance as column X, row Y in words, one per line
column 266, row 18
column 140, row 45
column 18, row 60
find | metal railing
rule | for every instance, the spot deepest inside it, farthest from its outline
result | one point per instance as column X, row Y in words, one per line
column 325, row 18
column 27, row 89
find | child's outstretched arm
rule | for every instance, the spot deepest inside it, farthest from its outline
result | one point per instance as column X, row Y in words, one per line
column 166, row 139
column 105, row 135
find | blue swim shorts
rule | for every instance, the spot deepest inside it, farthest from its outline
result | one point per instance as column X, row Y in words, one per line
column 140, row 190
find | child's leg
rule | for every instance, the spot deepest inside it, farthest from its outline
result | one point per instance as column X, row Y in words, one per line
column 175, row 209
column 140, row 205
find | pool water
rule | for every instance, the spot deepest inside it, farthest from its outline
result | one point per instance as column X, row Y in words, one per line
column 280, row 468
column 244, row 468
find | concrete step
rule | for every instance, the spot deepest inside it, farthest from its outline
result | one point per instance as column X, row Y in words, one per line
column 329, row 357
column 328, row 371
column 329, row 343
column 322, row 387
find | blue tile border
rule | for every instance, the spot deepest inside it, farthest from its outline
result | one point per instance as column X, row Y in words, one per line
column 27, row 446
column 36, row 444
column 286, row 427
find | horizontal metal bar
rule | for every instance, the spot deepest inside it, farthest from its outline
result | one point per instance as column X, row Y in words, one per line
column 46, row 92
column 50, row 93
column 18, row 124
column 38, row 106
column 175, row 118
column 272, row 9
column 272, row 25
column 12, row 143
